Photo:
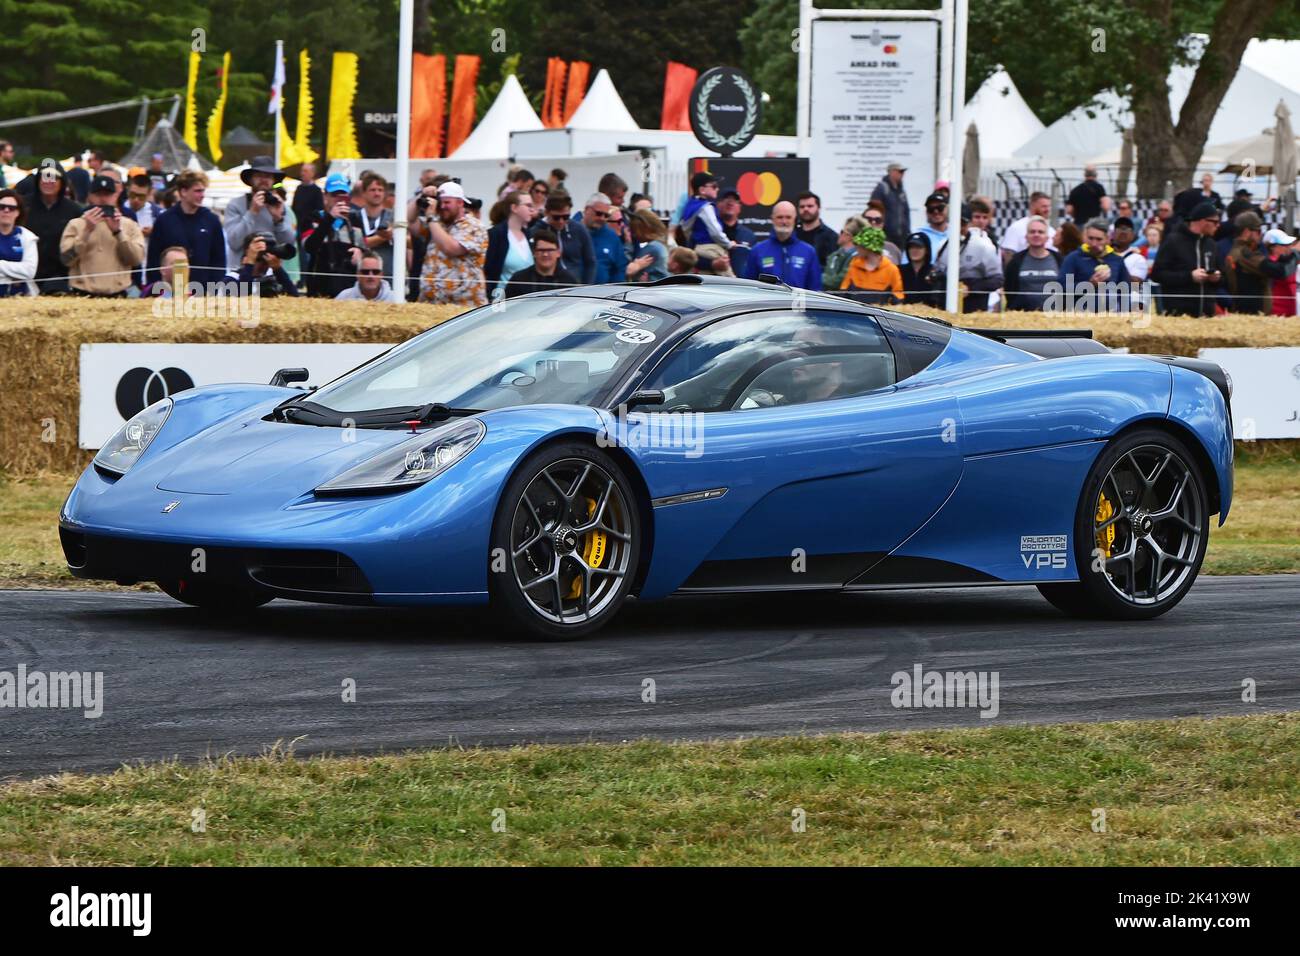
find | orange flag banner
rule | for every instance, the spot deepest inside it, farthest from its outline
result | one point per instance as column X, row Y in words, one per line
column 553, row 104
column 463, row 92
column 428, row 104
column 577, row 88
column 678, row 82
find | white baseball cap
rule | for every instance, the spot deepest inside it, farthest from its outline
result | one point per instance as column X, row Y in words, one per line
column 451, row 191
column 1276, row 237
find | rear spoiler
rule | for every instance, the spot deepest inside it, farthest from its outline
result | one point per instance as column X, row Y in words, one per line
column 1046, row 343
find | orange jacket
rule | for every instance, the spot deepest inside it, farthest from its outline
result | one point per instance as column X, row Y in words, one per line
column 884, row 278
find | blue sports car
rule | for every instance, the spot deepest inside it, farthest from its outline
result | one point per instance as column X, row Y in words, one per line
column 555, row 454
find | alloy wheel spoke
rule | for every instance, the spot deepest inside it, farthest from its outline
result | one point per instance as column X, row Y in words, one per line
column 577, row 483
column 554, row 484
column 1150, row 480
column 1098, row 529
column 548, row 576
column 523, row 548
column 1177, row 497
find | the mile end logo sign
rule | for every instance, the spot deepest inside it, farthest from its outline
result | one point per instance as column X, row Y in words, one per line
column 725, row 109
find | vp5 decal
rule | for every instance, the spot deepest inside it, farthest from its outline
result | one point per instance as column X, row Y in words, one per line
column 1039, row 551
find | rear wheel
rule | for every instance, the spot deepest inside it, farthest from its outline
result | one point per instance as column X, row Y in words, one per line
column 214, row 597
column 565, row 543
column 1140, row 532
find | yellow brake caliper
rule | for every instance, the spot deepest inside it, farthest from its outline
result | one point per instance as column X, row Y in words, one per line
column 593, row 550
column 1105, row 539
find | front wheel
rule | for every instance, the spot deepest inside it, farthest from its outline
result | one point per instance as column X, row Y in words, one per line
column 565, row 543
column 214, row 597
column 1140, row 532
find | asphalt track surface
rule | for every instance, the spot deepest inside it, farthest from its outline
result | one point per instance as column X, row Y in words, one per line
column 180, row 684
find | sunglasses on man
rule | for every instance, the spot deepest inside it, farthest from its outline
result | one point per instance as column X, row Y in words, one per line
column 370, row 272
column 8, row 207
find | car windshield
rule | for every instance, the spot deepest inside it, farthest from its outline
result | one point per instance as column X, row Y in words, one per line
column 529, row 351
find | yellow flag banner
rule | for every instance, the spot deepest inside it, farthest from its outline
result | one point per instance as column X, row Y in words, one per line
column 191, row 133
column 302, row 138
column 218, row 116
column 288, row 148
column 341, row 136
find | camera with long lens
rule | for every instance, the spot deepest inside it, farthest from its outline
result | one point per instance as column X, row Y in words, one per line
column 281, row 250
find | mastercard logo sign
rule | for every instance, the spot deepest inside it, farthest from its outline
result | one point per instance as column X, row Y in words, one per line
column 758, row 189
column 891, row 48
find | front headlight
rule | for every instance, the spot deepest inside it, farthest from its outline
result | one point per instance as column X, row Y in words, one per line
column 412, row 462
column 122, row 450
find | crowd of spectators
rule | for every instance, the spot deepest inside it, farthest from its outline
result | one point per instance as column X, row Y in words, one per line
column 92, row 230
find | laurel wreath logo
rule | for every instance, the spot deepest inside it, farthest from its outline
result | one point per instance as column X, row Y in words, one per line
column 746, row 130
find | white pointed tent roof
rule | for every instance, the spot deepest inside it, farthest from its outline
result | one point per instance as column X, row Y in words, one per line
column 1002, row 116
column 510, row 112
column 1247, row 107
column 602, row 108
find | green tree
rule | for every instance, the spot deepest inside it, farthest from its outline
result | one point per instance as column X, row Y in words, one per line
column 61, row 56
column 249, row 30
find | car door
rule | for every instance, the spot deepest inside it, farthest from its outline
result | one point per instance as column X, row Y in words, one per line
column 785, row 455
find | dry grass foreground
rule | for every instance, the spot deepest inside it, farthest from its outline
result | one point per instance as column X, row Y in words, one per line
column 1170, row 793
column 40, row 340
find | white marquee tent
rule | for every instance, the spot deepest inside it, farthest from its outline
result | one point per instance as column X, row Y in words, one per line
column 1002, row 116
column 1093, row 133
column 602, row 108
column 510, row 112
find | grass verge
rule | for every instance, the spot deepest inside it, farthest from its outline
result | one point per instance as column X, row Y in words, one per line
column 1185, row 792
column 1262, row 535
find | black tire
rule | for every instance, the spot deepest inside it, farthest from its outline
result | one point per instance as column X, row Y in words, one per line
column 1139, row 555
column 214, row 597
column 573, row 559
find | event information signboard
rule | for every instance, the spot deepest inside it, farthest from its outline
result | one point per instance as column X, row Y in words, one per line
column 874, row 101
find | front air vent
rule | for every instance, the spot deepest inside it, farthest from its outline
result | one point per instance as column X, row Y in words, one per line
column 324, row 572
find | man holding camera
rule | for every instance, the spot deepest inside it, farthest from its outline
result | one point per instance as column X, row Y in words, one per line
column 262, row 210
column 261, row 267
column 453, row 264
column 101, row 247
column 336, row 243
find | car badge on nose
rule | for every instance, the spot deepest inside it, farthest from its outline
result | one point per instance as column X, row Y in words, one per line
column 170, row 507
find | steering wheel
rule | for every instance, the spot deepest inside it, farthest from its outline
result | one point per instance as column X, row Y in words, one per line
column 504, row 378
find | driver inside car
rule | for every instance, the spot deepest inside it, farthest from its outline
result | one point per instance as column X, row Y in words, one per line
column 813, row 378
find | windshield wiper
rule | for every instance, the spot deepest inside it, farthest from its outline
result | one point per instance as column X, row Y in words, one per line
column 313, row 413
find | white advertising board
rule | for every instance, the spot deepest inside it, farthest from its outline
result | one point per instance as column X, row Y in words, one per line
column 1265, row 390
column 120, row 379
column 874, row 101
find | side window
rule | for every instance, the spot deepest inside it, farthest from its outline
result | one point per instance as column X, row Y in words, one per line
column 765, row 359
column 916, row 342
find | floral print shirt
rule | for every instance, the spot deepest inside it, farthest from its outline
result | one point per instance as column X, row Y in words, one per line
column 457, row 279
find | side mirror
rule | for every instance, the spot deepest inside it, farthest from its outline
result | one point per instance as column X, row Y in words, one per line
column 287, row 376
column 646, row 397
